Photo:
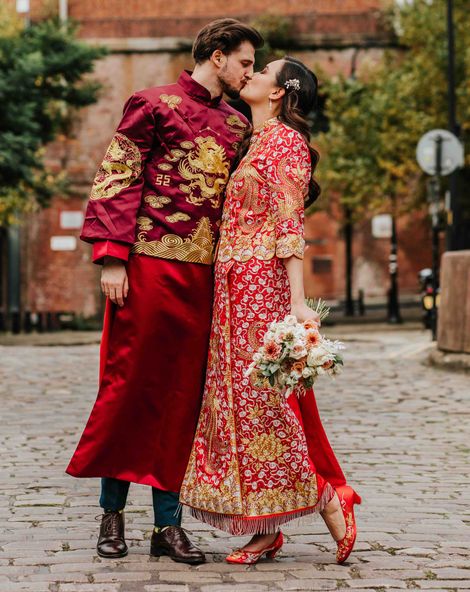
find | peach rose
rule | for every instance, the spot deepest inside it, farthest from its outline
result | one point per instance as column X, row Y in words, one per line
column 298, row 366
column 312, row 338
column 272, row 351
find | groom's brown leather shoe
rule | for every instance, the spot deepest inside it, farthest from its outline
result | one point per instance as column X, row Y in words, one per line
column 172, row 541
column 111, row 543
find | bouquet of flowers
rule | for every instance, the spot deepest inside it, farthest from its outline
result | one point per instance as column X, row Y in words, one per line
column 295, row 354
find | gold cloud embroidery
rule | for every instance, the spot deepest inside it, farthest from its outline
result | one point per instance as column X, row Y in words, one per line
column 121, row 165
column 175, row 155
column 157, row 201
column 178, row 217
column 236, row 125
column 144, row 223
column 171, row 100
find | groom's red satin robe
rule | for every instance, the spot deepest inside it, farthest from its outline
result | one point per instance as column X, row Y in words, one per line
column 156, row 202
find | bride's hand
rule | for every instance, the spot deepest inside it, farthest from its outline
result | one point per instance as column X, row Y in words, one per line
column 304, row 313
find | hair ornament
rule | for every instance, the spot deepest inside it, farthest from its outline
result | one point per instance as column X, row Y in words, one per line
column 292, row 83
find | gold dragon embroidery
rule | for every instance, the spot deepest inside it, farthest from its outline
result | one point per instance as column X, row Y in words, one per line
column 121, row 165
column 206, row 169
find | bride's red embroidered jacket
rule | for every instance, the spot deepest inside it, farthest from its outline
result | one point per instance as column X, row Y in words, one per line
column 160, row 187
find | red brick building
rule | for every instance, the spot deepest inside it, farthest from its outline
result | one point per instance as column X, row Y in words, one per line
column 150, row 44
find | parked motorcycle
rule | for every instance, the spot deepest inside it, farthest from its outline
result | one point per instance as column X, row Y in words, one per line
column 425, row 277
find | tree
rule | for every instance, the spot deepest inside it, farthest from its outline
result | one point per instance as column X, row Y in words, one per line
column 43, row 82
column 376, row 121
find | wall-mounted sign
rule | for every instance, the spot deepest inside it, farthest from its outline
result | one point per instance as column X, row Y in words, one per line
column 71, row 219
column 63, row 243
column 382, row 226
column 22, row 6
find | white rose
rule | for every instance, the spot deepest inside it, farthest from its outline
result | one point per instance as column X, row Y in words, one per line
column 317, row 356
column 298, row 352
column 290, row 320
column 307, row 372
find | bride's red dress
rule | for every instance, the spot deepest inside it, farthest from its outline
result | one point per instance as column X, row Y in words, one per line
column 258, row 460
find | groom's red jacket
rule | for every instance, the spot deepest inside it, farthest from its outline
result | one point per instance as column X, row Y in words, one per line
column 159, row 188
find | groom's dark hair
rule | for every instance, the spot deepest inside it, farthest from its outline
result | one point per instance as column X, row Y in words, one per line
column 226, row 34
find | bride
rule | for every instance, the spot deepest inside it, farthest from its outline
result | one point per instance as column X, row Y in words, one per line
column 259, row 460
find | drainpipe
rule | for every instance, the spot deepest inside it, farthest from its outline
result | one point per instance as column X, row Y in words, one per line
column 63, row 10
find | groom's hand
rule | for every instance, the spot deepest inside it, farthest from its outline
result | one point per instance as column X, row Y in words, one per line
column 114, row 282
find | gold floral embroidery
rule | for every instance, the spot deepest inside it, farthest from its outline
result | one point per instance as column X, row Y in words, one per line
column 165, row 166
column 255, row 412
column 157, row 201
column 196, row 248
column 121, row 165
column 266, row 447
column 281, row 499
column 144, row 223
column 178, row 217
column 290, row 244
column 207, row 169
column 171, row 100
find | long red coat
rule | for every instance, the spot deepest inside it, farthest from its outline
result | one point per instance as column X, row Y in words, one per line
column 158, row 194
column 257, row 460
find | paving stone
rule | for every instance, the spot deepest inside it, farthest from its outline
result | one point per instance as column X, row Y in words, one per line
column 253, row 576
column 167, row 588
column 229, row 587
column 309, row 585
column 23, row 587
column 377, row 583
column 89, row 587
column 121, row 576
column 189, row 577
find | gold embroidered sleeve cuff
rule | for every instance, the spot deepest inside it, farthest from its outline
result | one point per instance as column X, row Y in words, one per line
column 290, row 245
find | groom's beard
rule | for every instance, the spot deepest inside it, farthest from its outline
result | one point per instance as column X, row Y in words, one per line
column 228, row 88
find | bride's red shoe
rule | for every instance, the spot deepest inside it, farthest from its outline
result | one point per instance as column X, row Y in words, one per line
column 347, row 497
column 251, row 557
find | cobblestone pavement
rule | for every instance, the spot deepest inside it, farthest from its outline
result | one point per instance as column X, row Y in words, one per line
column 400, row 429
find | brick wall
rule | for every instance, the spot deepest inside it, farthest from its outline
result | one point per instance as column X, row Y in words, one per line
column 140, row 18
column 67, row 281
column 104, row 9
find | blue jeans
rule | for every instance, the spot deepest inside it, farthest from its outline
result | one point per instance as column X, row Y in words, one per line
column 165, row 503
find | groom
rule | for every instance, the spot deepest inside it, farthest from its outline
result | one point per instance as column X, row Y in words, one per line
column 153, row 219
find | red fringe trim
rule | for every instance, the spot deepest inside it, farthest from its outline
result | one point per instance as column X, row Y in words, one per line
column 240, row 525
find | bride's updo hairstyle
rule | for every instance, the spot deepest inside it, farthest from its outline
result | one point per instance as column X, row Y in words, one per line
column 301, row 86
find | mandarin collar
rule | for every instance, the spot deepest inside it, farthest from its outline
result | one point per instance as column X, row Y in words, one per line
column 265, row 126
column 196, row 91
